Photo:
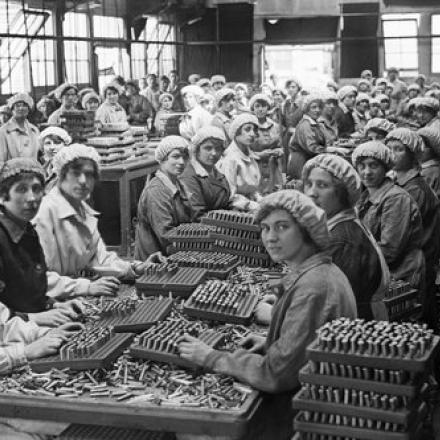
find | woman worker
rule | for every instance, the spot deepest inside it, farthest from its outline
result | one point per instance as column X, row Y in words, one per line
column 68, row 230
column 239, row 163
column 110, row 111
column 207, row 187
column 67, row 94
column 334, row 185
column 164, row 203
column 390, row 213
column 294, row 231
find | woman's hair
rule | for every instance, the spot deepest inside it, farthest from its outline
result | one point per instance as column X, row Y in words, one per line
column 196, row 149
column 76, row 165
column 8, row 183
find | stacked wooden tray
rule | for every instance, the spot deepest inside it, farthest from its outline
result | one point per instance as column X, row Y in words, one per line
column 402, row 301
column 365, row 380
column 80, row 124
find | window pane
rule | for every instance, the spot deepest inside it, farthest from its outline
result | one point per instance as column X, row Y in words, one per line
column 109, row 27
column 75, row 25
column 435, row 46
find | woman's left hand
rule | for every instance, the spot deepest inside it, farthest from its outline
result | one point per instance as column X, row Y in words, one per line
column 156, row 257
column 193, row 349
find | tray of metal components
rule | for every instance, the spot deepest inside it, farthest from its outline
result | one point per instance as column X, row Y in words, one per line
column 222, row 301
column 377, row 344
column 231, row 220
column 201, row 246
column 190, row 232
column 88, row 349
column 354, row 403
column 217, row 264
column 167, row 278
column 247, row 257
column 159, row 343
column 128, row 315
column 317, row 425
column 396, row 383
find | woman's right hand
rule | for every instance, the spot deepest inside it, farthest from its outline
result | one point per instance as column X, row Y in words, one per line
column 53, row 317
column 253, row 343
column 106, row 286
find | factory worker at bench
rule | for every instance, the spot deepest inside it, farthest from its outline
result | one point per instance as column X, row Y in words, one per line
column 294, row 231
column 68, row 230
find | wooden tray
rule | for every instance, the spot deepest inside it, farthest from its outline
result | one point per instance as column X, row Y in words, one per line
column 146, row 314
column 101, row 358
column 388, row 363
column 243, row 316
column 307, row 376
column 230, row 225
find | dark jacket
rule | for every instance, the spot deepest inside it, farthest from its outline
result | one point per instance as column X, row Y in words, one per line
column 23, row 279
column 206, row 192
column 162, row 206
column 345, row 121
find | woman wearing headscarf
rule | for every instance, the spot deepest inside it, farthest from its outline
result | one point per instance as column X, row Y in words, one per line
column 239, row 163
column 377, row 129
column 407, row 148
column 344, row 111
column 431, row 157
column 390, row 213
column 140, row 111
column 327, row 121
column 334, row 185
column 308, row 140
column 165, row 107
column 207, row 187
column 18, row 137
column 52, row 139
column 110, row 111
column 164, row 203
column 267, row 146
column 68, row 230
column 91, row 101
column 224, row 101
column 294, row 231
column 67, row 94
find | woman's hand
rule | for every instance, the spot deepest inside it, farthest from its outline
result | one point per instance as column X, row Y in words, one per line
column 53, row 318
column 156, row 257
column 263, row 313
column 106, row 286
column 74, row 305
column 193, row 349
column 253, row 343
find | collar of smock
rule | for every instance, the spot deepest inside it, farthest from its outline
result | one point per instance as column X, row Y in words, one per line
column 198, row 168
column 344, row 108
column 236, row 149
column 376, row 198
column 64, row 209
column 167, row 182
column 15, row 229
column 403, row 179
column 12, row 125
column 311, row 120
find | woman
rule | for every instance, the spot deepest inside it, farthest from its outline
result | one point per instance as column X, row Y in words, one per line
column 239, row 163
column 390, row 213
column 52, row 139
column 294, row 232
column 308, row 139
column 327, row 121
column 197, row 117
column 91, row 101
column 68, row 230
column 67, row 94
column 241, row 99
column 110, row 111
column 207, row 188
column 224, row 101
column 377, row 129
column 360, row 112
column 140, row 111
column 165, row 108
column 267, row 146
column 344, row 111
column 334, row 185
column 18, row 137
column 164, row 203
column 276, row 114
column 407, row 148
column 431, row 157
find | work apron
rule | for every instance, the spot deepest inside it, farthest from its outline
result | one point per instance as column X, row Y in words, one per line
column 378, row 307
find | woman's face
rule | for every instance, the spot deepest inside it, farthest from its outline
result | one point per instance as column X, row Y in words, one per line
column 402, row 157
column 241, row 93
column 372, row 172
column 329, row 108
column 210, row 152
column 70, row 98
column 167, row 103
column 260, row 109
column 79, row 182
column 247, row 134
column 362, row 106
column 315, row 110
column 190, row 101
column 227, row 105
column 281, row 235
column 20, row 110
column 218, row 85
column 320, row 187
column 292, row 90
column 385, row 105
column 278, row 97
column 375, row 136
column 51, row 146
column 92, row 104
column 112, row 96
column 175, row 163
column 164, row 83
column 413, row 94
column 374, row 110
column 423, row 116
column 349, row 100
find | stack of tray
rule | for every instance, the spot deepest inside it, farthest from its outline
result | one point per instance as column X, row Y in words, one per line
column 169, row 123
column 402, row 301
column 80, row 124
column 365, row 380
column 112, row 149
column 222, row 301
column 160, row 343
column 170, row 279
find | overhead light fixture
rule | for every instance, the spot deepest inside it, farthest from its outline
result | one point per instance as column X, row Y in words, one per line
column 273, row 20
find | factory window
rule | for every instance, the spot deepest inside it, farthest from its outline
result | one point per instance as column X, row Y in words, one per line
column 138, row 56
column 400, row 32
column 108, row 27
column 435, row 50
column 76, row 53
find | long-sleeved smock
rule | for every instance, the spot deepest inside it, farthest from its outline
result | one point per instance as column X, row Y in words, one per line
column 16, row 141
column 315, row 293
column 14, row 335
column 71, row 244
column 292, row 113
column 55, row 117
column 193, row 121
column 140, row 110
column 162, row 206
column 329, row 130
column 152, row 95
column 223, row 122
column 206, row 192
column 344, row 119
column 394, row 219
column 243, row 175
column 111, row 113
